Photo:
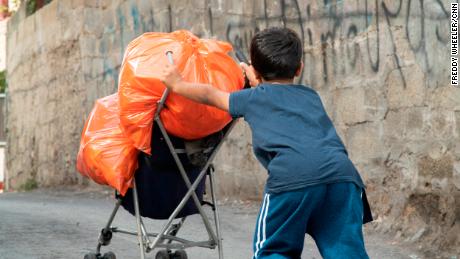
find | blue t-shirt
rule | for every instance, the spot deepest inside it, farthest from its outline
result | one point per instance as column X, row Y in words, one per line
column 293, row 137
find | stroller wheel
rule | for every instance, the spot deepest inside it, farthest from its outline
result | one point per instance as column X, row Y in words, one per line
column 163, row 254
column 105, row 237
column 109, row 255
column 91, row 256
column 180, row 254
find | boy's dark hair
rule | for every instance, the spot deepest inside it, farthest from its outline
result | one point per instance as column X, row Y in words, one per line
column 276, row 53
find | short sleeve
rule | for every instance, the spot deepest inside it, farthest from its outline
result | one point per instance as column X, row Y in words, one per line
column 237, row 103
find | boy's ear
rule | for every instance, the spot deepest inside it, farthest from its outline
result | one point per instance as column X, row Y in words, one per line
column 299, row 70
column 255, row 78
column 255, row 73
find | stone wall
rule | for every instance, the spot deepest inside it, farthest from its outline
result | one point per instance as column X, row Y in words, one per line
column 380, row 66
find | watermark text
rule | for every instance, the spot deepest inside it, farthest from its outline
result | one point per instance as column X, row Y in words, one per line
column 454, row 44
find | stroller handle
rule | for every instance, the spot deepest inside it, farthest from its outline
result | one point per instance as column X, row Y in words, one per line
column 166, row 92
column 242, row 58
column 170, row 57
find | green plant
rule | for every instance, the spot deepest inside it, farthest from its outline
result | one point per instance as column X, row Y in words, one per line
column 31, row 6
column 29, row 185
column 3, row 83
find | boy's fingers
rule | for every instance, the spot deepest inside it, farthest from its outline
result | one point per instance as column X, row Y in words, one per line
column 249, row 74
column 245, row 68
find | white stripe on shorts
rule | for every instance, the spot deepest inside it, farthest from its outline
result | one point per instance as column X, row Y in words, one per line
column 262, row 216
column 264, row 222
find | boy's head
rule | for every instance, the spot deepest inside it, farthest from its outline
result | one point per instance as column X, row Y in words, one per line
column 276, row 53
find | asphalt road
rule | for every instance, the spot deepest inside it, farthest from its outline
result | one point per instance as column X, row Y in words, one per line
column 65, row 224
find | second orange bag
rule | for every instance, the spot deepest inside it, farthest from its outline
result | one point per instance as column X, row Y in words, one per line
column 106, row 155
column 198, row 60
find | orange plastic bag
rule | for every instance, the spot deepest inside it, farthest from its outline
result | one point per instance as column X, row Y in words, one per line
column 106, row 155
column 198, row 60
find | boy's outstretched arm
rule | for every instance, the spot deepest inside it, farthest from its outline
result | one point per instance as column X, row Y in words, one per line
column 202, row 93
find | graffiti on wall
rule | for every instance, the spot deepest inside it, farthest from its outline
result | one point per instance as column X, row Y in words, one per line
column 340, row 36
column 335, row 25
column 128, row 24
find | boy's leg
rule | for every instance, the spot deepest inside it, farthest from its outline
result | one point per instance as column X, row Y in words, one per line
column 337, row 225
column 282, row 220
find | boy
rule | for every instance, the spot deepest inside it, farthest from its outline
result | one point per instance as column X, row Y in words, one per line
column 312, row 185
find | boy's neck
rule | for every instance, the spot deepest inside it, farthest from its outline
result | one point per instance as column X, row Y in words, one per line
column 279, row 81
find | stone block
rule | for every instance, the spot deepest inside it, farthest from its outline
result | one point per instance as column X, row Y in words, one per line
column 106, row 3
column 365, row 142
column 196, row 21
column 415, row 118
column 233, row 28
column 440, row 124
column 64, row 7
column 20, row 29
column 92, row 22
column 49, row 13
column 87, row 65
column 349, row 106
column 406, row 124
column 71, row 24
column 456, row 175
column 415, row 127
column 457, row 124
column 48, row 33
column 108, row 21
column 444, row 98
column 131, row 15
column 29, row 27
column 97, row 67
column 186, row 4
column 235, row 7
column 11, row 56
column 375, row 103
column 87, row 45
column 93, row 3
column 393, row 126
column 412, row 93
column 435, row 168
column 77, row 3
column 159, row 5
column 104, row 46
column 272, row 8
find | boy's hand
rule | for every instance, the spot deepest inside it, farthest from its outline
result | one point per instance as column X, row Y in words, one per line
column 249, row 71
column 202, row 93
column 170, row 76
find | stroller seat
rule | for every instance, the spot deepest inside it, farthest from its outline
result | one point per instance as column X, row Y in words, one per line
column 160, row 187
column 169, row 184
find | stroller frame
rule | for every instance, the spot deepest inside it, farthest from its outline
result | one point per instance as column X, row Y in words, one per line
column 166, row 238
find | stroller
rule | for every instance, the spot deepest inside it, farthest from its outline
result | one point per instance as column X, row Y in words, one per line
column 164, row 183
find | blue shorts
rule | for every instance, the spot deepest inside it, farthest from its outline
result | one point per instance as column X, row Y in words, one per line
column 331, row 213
